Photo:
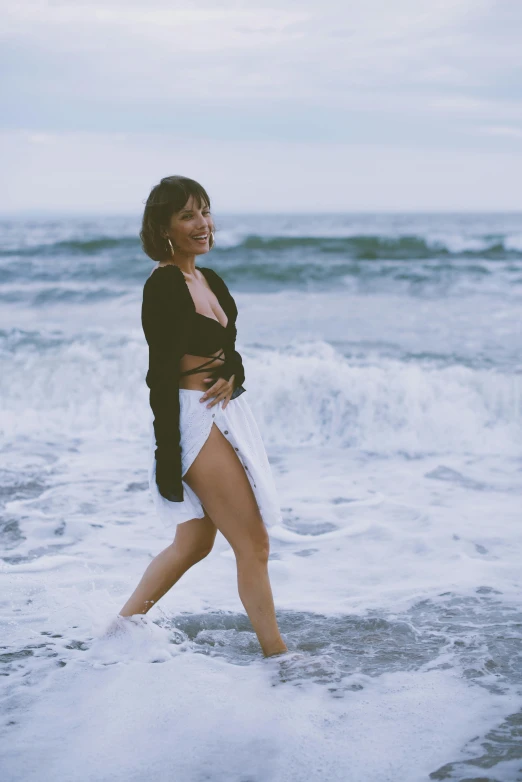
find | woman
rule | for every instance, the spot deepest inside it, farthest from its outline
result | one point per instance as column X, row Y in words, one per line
column 208, row 467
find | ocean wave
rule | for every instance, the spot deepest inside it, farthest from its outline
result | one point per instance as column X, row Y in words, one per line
column 87, row 247
column 358, row 247
column 40, row 295
column 37, row 285
column 375, row 247
column 320, row 397
column 304, row 395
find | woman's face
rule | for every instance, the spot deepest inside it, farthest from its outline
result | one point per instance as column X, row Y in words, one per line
column 189, row 229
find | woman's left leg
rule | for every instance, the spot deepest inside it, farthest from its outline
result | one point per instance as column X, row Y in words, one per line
column 218, row 478
column 193, row 542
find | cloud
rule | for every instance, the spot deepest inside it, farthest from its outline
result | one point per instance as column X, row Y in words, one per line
column 504, row 131
column 421, row 75
column 257, row 51
column 106, row 173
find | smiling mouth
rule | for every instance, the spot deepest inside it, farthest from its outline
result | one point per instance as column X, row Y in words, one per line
column 200, row 238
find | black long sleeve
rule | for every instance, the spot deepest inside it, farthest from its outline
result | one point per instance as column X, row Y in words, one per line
column 233, row 364
column 164, row 313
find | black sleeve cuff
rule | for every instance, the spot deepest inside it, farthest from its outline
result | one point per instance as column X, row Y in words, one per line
column 168, row 477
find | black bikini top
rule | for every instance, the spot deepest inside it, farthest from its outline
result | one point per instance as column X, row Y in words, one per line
column 205, row 338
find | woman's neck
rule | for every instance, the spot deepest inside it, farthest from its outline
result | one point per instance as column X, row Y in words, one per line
column 186, row 264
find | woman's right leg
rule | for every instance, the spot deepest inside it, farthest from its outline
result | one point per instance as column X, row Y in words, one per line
column 193, row 541
column 218, row 478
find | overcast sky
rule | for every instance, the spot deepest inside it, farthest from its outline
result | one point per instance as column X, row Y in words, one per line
column 283, row 106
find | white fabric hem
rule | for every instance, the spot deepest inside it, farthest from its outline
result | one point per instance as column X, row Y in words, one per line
column 238, row 425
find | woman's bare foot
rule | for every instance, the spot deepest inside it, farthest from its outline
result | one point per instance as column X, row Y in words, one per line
column 276, row 654
column 120, row 624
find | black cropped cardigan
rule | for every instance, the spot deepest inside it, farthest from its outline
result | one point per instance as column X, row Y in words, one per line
column 172, row 328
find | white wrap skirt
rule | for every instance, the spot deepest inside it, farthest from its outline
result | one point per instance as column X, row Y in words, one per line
column 238, row 425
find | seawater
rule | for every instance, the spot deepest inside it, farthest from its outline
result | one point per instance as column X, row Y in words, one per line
column 383, row 363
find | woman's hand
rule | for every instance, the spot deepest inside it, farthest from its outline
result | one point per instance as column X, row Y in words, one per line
column 221, row 390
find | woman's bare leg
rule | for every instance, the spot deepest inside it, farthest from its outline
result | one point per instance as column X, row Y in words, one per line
column 218, row 478
column 194, row 540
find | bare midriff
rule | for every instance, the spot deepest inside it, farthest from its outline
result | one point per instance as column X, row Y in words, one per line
column 195, row 381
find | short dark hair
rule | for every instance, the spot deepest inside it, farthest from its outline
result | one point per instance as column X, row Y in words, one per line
column 165, row 198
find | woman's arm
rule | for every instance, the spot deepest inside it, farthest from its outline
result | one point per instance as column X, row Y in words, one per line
column 233, row 364
column 163, row 314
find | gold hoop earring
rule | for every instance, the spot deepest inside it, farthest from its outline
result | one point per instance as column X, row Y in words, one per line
column 171, row 247
column 211, row 240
